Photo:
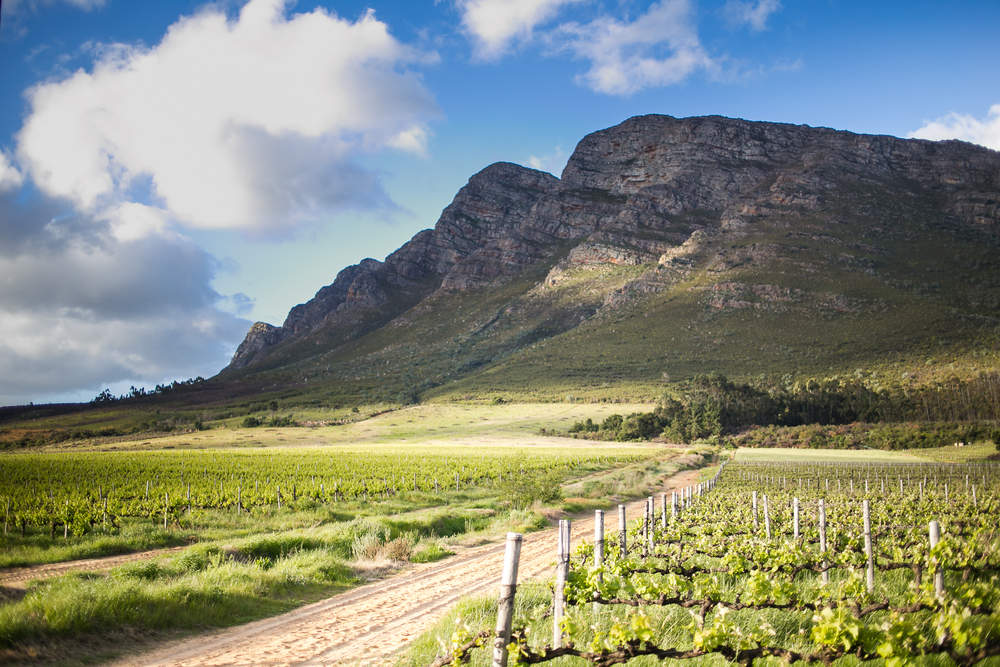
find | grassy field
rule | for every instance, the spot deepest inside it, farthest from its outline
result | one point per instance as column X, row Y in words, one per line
column 830, row 455
column 512, row 424
column 252, row 565
column 978, row 451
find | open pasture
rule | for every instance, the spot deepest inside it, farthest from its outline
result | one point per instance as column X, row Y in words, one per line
column 746, row 454
column 507, row 424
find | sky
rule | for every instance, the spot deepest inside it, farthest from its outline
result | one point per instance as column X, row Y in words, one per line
column 173, row 171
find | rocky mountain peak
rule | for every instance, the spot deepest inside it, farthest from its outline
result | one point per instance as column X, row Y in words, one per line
column 654, row 189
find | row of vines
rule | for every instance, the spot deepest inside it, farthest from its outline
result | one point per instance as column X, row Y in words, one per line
column 816, row 563
column 93, row 491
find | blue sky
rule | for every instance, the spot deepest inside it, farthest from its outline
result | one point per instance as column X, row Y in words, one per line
column 173, row 171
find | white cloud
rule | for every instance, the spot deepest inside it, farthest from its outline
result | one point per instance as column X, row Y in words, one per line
column 49, row 355
column 984, row 132
column 553, row 163
column 495, row 25
column 740, row 13
column 10, row 177
column 86, row 303
column 659, row 48
column 251, row 124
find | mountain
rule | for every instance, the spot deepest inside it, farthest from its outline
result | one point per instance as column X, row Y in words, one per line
column 667, row 248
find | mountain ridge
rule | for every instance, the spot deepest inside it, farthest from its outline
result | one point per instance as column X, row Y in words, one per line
column 688, row 199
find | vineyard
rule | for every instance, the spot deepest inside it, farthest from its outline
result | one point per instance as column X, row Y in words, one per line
column 818, row 563
column 88, row 492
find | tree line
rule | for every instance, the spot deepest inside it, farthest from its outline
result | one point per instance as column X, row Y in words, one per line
column 714, row 405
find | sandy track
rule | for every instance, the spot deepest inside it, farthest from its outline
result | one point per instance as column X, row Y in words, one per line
column 369, row 624
column 18, row 577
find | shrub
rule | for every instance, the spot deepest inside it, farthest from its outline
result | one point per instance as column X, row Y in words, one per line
column 521, row 490
column 584, row 427
column 431, row 553
column 198, row 557
column 612, row 423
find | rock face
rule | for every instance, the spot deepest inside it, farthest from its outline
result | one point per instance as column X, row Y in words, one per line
column 650, row 188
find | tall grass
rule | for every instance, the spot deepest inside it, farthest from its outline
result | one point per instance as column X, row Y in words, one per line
column 38, row 548
column 193, row 590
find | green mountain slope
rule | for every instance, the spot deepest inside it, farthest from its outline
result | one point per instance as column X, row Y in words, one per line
column 669, row 248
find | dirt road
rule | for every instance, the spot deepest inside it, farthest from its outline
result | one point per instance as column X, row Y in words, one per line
column 369, row 624
column 18, row 577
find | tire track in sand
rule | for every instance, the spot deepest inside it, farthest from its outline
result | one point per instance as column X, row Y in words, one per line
column 18, row 577
column 368, row 625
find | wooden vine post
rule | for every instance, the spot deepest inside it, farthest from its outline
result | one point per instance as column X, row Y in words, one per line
column 795, row 518
column 622, row 538
column 562, row 572
column 650, row 513
column 756, row 522
column 869, row 553
column 935, row 537
column 767, row 519
column 822, row 538
column 508, row 589
column 598, row 548
column 663, row 505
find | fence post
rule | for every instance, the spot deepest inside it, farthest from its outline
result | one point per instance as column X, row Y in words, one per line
column 598, row 547
column 644, row 529
column 767, row 519
column 650, row 524
column 822, row 538
column 795, row 518
column 508, row 588
column 663, row 504
column 869, row 554
column 562, row 570
column 935, row 537
column 622, row 536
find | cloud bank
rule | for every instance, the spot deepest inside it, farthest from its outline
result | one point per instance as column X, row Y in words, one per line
column 658, row 47
column 984, row 132
column 253, row 123
column 83, row 307
column 495, row 26
column 739, row 13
